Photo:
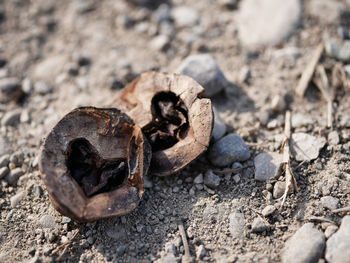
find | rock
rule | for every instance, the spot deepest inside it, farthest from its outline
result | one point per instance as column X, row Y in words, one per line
column 236, row 224
column 4, row 171
column 278, row 104
column 339, row 51
column 204, row 69
column 345, row 121
column 4, row 159
column 16, row 199
column 278, row 189
column 185, row 16
column 236, row 178
column 305, row 246
column 198, row 179
column 10, row 90
column 259, row 22
column 305, row 147
column 329, row 202
column 201, row 252
column 162, row 14
column 267, row 165
column 25, row 117
column 66, row 220
column 17, row 158
column 330, row 230
column 160, row 43
column 264, row 116
column 325, row 10
column 49, row 68
column 229, row 149
column 147, row 183
column 300, row 120
column 47, row 221
column 41, row 87
column 11, row 118
column 14, row 175
column 211, row 180
column 259, row 225
column 219, row 128
column 333, row 138
column 37, row 190
column 268, row 210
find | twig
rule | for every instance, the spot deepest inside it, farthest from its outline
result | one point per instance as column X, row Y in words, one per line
column 226, row 171
column 341, row 210
column 187, row 257
column 309, row 71
column 290, row 180
column 64, row 245
column 320, row 219
column 321, row 81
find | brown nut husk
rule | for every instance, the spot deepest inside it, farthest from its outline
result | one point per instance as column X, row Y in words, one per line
column 93, row 162
column 175, row 119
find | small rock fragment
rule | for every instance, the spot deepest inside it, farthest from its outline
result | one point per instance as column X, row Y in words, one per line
column 16, row 199
column 201, row 252
column 198, row 179
column 305, row 246
column 267, row 165
column 300, row 120
column 211, row 180
column 204, row 69
column 268, row 210
column 160, row 43
column 219, row 128
column 326, row 11
column 236, row 224
column 236, row 178
column 330, row 230
column 11, row 118
column 259, row 225
column 14, row 175
column 4, row 160
column 185, row 16
column 339, row 51
column 305, row 147
column 330, row 202
column 10, row 90
column 278, row 189
column 42, row 88
column 5, row 145
column 229, row 149
column 4, row 171
column 278, row 104
column 333, row 138
column 47, row 221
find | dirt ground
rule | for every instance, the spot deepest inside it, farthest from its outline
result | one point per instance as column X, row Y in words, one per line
column 43, row 42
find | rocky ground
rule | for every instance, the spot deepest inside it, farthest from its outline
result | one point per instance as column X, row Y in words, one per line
column 249, row 55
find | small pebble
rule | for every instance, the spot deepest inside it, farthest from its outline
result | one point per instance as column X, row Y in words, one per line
column 268, row 210
column 236, row 178
column 198, row 179
column 330, row 202
column 47, row 221
column 330, row 230
column 16, row 199
column 236, row 224
column 4, row 171
column 11, row 118
column 219, row 128
column 305, row 147
column 259, row 225
column 4, row 160
column 211, row 180
column 14, row 175
column 42, row 88
column 201, row 252
column 278, row 189
column 267, row 165
column 333, row 138
column 337, row 249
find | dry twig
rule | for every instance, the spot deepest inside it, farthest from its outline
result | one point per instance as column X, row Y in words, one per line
column 64, row 245
column 187, row 257
column 309, row 71
column 345, row 209
column 290, row 180
column 320, row 219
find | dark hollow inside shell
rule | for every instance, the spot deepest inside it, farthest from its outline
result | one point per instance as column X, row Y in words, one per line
column 169, row 121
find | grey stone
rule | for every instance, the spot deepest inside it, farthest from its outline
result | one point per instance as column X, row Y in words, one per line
column 330, row 230
column 333, row 138
column 66, row 220
column 339, row 51
column 345, row 120
column 11, row 118
column 329, row 202
column 47, row 221
column 162, row 14
column 41, row 87
column 228, row 149
column 305, row 246
column 4, row 159
column 160, row 42
column 37, row 190
column 10, row 90
column 236, row 178
column 211, row 180
column 13, row 176
column 219, row 128
column 236, row 224
column 244, row 75
column 260, row 24
column 4, row 171
column 259, row 225
column 278, row 104
column 198, row 179
column 16, row 199
column 300, row 120
column 201, row 252
column 185, row 16
column 204, row 69
column 17, row 158
column 264, row 116
column 268, row 210
column 267, row 165
column 305, row 147
column 147, row 183
column 278, row 189
column 325, row 10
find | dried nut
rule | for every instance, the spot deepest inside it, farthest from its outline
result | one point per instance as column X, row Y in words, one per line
column 175, row 119
column 93, row 163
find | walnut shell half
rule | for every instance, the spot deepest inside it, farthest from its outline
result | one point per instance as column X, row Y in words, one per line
column 175, row 119
column 93, row 163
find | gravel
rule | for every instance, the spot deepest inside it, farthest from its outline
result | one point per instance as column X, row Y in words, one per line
column 330, row 202
column 14, row 175
column 228, row 149
column 337, row 249
column 211, row 180
column 305, row 147
column 204, row 69
column 259, row 225
column 305, row 246
column 267, row 165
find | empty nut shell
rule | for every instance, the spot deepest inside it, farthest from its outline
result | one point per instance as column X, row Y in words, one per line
column 93, row 163
column 175, row 119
